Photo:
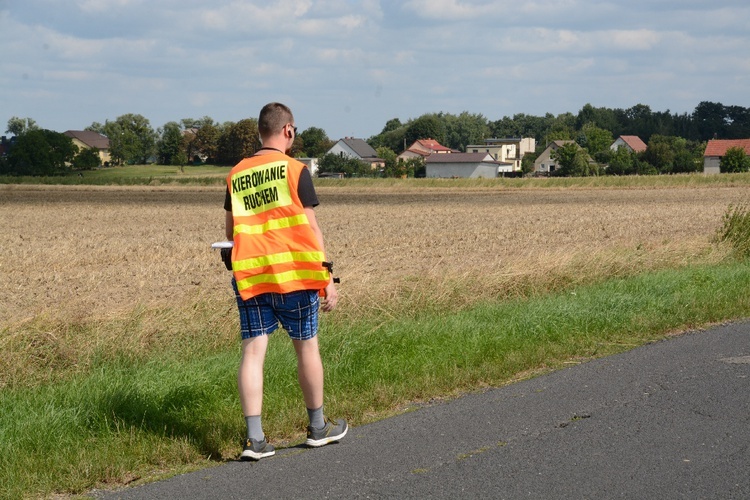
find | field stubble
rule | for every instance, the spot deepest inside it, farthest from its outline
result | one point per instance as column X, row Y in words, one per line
column 133, row 264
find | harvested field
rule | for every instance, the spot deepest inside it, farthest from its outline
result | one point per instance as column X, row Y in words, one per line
column 80, row 253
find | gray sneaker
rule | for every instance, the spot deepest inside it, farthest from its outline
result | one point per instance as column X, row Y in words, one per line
column 255, row 450
column 333, row 431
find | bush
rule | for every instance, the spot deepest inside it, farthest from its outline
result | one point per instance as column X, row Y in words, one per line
column 736, row 229
column 735, row 160
column 87, row 159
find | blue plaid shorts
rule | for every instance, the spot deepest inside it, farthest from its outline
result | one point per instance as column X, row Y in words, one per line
column 297, row 312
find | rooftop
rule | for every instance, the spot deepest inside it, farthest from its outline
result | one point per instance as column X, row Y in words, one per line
column 718, row 147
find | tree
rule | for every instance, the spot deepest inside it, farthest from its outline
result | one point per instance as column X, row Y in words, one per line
column 391, row 125
column 428, row 126
column 172, row 145
column 573, row 161
column 393, row 167
column 415, row 167
column 527, row 162
column 522, row 125
column 735, row 160
column 560, row 128
column 621, row 162
column 350, row 167
column 603, row 118
column 394, row 139
column 465, row 129
column 315, row 142
column 19, row 126
column 638, row 120
column 738, row 119
column 237, row 141
column 41, row 152
column 594, row 139
column 205, row 143
column 660, row 154
column 87, row 159
column 131, row 138
column 201, row 139
column 710, row 120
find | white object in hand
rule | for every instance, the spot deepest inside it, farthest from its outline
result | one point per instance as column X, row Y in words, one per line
column 223, row 244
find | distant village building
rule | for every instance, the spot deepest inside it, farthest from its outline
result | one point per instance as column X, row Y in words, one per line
column 717, row 148
column 312, row 164
column 87, row 139
column 469, row 165
column 423, row 148
column 506, row 150
column 631, row 142
column 544, row 163
column 358, row 149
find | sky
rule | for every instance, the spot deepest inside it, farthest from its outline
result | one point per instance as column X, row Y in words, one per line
column 349, row 66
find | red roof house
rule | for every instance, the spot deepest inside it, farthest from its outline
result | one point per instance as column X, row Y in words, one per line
column 632, row 142
column 423, row 148
column 717, row 148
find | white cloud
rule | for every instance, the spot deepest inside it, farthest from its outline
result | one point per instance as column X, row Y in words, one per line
column 447, row 9
column 102, row 6
column 351, row 63
column 632, row 39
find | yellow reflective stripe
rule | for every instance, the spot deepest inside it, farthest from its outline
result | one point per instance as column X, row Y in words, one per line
column 272, row 224
column 284, row 277
column 279, row 258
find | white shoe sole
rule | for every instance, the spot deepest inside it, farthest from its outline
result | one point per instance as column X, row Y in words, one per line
column 254, row 455
column 329, row 439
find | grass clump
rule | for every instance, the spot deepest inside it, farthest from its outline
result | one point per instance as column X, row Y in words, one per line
column 735, row 229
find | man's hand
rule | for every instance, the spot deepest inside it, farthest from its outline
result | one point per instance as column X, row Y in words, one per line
column 331, row 297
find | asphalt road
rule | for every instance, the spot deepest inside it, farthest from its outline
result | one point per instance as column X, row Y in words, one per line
column 666, row 420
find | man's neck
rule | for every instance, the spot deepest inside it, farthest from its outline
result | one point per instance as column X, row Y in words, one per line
column 272, row 146
column 266, row 150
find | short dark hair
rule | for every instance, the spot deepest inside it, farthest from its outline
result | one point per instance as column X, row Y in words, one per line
column 272, row 119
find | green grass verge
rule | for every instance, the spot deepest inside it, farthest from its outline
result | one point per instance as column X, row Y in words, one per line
column 216, row 175
column 133, row 175
column 126, row 419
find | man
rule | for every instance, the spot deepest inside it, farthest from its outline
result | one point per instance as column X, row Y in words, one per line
column 279, row 267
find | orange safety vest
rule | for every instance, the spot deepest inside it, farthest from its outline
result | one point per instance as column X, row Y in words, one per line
column 275, row 249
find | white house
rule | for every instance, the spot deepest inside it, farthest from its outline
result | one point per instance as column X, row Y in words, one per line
column 358, row 149
column 507, row 150
column 544, row 163
column 464, row 165
column 312, row 164
column 631, row 142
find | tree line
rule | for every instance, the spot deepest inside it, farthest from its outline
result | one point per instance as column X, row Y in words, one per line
column 675, row 141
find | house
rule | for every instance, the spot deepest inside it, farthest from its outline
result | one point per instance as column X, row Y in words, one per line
column 358, row 149
column 544, row 163
column 464, row 165
column 87, row 139
column 717, row 148
column 312, row 164
column 506, row 150
column 632, row 142
column 423, row 148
